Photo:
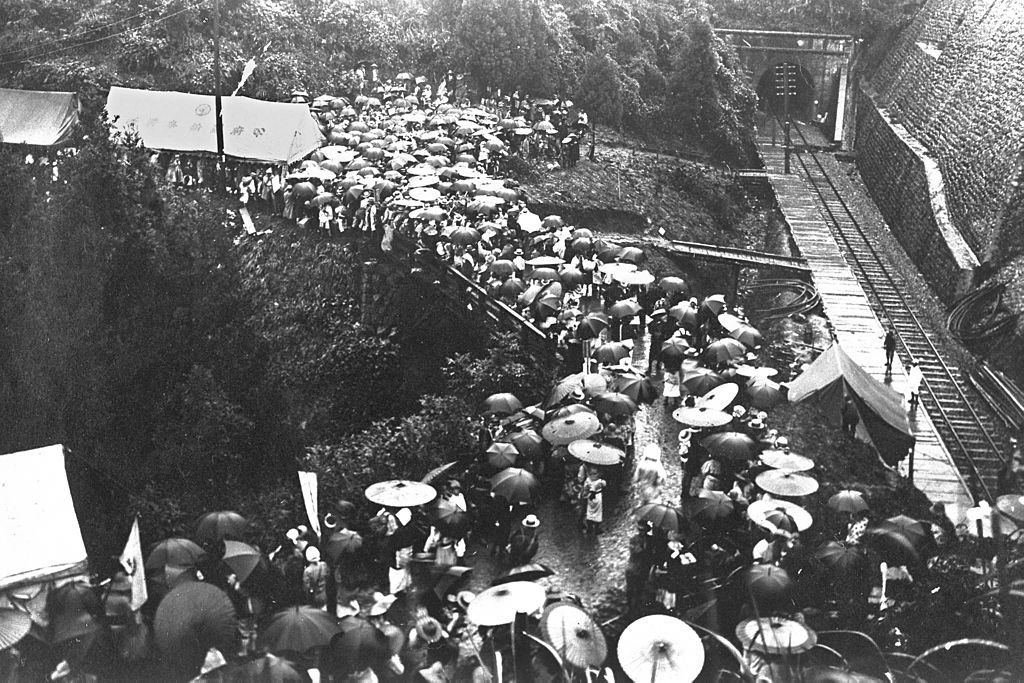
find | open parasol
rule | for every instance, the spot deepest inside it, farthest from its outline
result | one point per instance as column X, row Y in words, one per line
column 502, row 404
column 501, row 455
column 662, row 516
column 596, row 453
column 764, row 393
column 751, row 371
column 626, row 308
column 216, row 526
column 660, row 647
column 544, row 261
column 591, row 325
column 684, row 314
column 848, row 501
column 672, row 284
column 892, row 545
column 611, row 353
column 724, row 351
column 747, row 335
column 784, row 460
column 355, row 646
column 759, row 510
column 499, row 605
column 575, row 635
column 298, row 629
column 701, row 417
column 775, row 636
column 528, row 442
column 709, row 506
column 840, row 557
column 916, row 532
column 440, row 471
column 639, row 388
column 783, row 483
column 674, row 348
column 640, row 278
column 192, row 618
column 614, row 403
column 515, row 485
column 700, row 381
column 731, row 445
column 768, row 585
column 14, row 625
column 719, row 398
column 565, row 430
column 242, row 558
column 714, row 304
column 400, row 493
column 1011, row 505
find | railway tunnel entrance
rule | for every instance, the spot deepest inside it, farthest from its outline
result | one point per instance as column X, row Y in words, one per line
column 802, row 91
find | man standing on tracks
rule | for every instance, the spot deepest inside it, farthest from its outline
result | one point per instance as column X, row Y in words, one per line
column 890, row 349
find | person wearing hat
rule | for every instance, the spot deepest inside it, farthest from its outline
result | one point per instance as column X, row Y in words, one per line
column 914, row 379
column 314, row 578
column 377, row 616
column 428, row 644
column 524, row 542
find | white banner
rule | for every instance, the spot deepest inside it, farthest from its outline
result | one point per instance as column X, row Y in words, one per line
column 307, row 480
column 134, row 566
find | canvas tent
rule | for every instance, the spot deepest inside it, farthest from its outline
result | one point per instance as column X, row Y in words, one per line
column 254, row 130
column 33, row 117
column 40, row 539
column 883, row 419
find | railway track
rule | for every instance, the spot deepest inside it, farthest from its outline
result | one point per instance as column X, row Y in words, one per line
column 969, row 433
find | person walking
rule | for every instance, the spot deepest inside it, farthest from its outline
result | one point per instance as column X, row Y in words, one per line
column 593, row 500
column 890, row 349
column 914, row 379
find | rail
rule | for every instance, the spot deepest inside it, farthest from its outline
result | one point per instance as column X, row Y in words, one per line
column 916, row 328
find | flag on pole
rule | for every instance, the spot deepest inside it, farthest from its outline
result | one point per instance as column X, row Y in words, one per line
column 307, row 480
column 134, row 566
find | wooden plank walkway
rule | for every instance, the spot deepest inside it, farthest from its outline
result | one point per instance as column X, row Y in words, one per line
column 746, row 258
column 856, row 327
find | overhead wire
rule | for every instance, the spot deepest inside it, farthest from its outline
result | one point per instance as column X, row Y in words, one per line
column 101, row 39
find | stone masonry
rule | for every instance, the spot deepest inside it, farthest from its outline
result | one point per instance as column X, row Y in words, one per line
column 953, row 83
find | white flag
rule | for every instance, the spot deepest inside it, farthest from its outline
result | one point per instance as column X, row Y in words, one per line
column 307, row 480
column 134, row 566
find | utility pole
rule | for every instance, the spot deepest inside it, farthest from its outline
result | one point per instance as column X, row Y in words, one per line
column 217, row 106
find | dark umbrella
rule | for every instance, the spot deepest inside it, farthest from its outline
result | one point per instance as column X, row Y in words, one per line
column 543, row 274
column 571, row 275
column 731, row 445
column 700, row 381
column 440, row 471
column 502, row 404
column 14, row 626
column 624, row 309
column 343, row 542
column 723, row 351
column 528, row 442
column 266, row 668
column 464, row 236
column 549, row 300
column 684, row 314
column 841, row 557
column 174, row 552
column 661, row 516
column 611, row 353
column 714, row 304
column 893, row 546
column 501, row 455
column 298, row 629
column 515, row 485
column 614, row 403
column 639, row 388
column 747, row 335
column 527, row 572
column 242, row 558
column 764, row 393
column 191, row 619
column 591, row 325
column 501, row 268
column 512, row 287
column 448, row 517
column 674, row 348
column 709, row 506
column 767, row 584
column 848, row 501
column 356, row 645
column 916, row 532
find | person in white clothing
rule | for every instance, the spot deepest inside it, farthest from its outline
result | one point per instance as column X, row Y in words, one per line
column 914, row 379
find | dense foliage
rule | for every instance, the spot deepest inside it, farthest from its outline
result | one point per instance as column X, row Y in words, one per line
column 193, row 369
column 629, row 63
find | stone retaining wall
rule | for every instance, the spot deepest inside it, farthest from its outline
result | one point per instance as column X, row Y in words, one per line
column 908, row 188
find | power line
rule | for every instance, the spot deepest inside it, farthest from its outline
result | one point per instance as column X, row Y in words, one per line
column 100, row 40
column 84, row 32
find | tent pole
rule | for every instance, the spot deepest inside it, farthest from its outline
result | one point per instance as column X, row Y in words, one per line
column 218, row 120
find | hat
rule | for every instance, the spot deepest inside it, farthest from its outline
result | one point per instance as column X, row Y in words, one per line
column 658, row 311
column 781, row 441
column 464, row 598
column 292, row 534
column 429, row 629
column 652, row 451
column 756, row 423
column 381, row 603
column 302, row 529
column 330, row 521
column 762, row 415
column 312, row 553
column 739, row 411
column 531, row 521
column 577, row 394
